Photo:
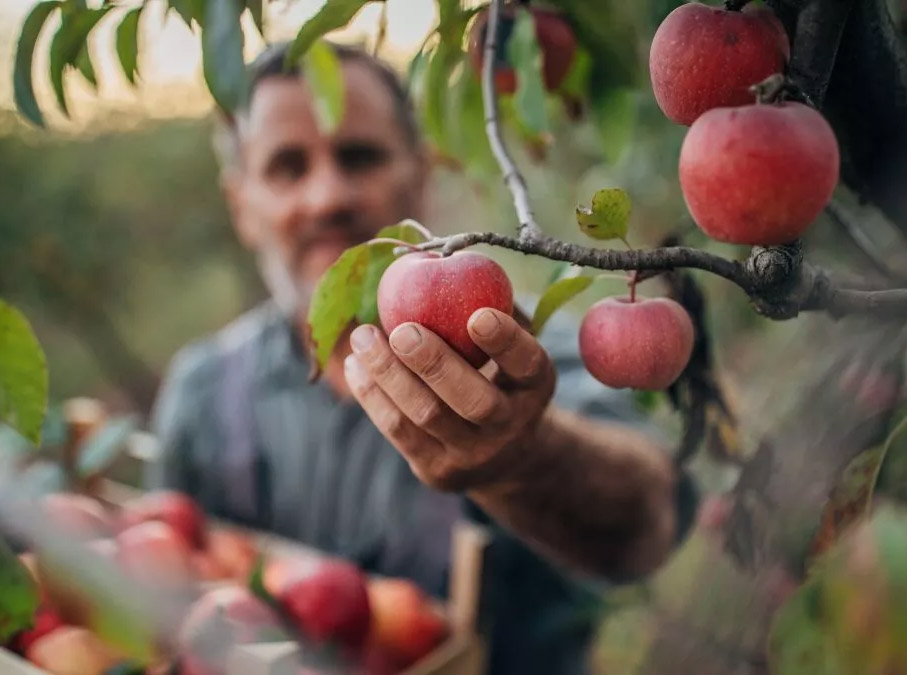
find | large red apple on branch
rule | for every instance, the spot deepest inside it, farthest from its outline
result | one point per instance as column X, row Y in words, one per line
column 759, row 174
column 706, row 57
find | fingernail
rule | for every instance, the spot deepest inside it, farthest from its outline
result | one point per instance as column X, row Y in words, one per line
column 406, row 339
column 486, row 323
column 353, row 369
column 362, row 339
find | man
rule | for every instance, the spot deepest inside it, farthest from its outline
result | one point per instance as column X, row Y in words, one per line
column 338, row 465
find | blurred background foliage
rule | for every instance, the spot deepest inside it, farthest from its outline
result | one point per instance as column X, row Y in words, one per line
column 115, row 242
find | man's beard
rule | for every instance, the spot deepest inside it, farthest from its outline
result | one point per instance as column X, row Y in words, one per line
column 291, row 292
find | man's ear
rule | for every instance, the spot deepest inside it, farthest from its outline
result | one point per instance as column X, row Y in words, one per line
column 231, row 184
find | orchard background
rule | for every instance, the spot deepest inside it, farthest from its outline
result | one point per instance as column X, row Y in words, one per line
column 114, row 244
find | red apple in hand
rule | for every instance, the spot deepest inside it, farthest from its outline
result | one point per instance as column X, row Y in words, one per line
column 176, row 509
column 77, row 515
column 758, row 174
column 555, row 39
column 330, row 604
column 644, row 344
column 441, row 293
column 705, row 57
column 155, row 554
column 404, row 622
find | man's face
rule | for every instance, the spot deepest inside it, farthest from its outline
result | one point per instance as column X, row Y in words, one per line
column 302, row 197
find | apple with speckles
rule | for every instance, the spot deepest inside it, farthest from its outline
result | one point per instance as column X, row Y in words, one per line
column 441, row 293
column 759, row 174
column 706, row 57
column 642, row 344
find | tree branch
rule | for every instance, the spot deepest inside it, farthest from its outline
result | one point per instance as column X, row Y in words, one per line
column 528, row 228
column 776, row 279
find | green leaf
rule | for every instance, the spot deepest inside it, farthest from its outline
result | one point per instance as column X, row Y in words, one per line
column 256, row 9
column 190, row 9
column 128, row 42
column 23, row 86
column 68, row 43
column 647, row 400
column 524, row 53
column 609, row 217
column 851, row 497
column 614, row 113
column 324, row 77
column 798, row 644
column 380, row 258
column 437, row 85
column 336, row 301
column 555, row 296
column 222, row 53
column 347, row 290
column 102, row 448
column 577, row 81
column 23, row 375
column 334, row 14
column 257, row 581
column 83, row 63
column 18, row 594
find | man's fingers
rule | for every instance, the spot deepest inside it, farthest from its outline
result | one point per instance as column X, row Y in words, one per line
column 413, row 443
column 407, row 392
column 517, row 352
column 459, row 385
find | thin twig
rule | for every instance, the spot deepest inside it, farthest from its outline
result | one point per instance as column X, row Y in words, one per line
column 528, row 228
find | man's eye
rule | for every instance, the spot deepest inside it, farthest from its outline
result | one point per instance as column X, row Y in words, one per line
column 360, row 157
column 288, row 166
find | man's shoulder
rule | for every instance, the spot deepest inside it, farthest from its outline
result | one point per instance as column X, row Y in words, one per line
column 200, row 360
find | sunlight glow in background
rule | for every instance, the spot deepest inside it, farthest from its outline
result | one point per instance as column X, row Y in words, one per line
column 170, row 69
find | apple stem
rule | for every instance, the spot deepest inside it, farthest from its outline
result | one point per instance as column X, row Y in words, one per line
column 399, row 243
column 634, row 279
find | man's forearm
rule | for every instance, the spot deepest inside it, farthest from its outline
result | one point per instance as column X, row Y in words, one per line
column 600, row 497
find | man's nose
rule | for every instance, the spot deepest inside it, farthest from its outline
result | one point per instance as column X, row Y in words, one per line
column 328, row 194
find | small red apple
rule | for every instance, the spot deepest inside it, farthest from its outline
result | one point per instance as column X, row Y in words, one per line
column 155, row 554
column 554, row 36
column 77, row 515
column 758, row 174
column 330, row 604
column 72, row 651
column 441, row 293
column 46, row 621
column 176, row 509
column 706, row 57
column 404, row 622
column 644, row 344
column 219, row 620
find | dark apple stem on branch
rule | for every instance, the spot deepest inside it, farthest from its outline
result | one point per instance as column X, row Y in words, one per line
column 528, row 229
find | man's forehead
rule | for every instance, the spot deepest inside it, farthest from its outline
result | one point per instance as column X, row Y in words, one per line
column 286, row 105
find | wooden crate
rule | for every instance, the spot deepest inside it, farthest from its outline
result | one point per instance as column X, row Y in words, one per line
column 463, row 653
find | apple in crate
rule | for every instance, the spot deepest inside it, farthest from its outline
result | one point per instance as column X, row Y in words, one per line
column 72, row 651
column 329, row 604
column 404, row 621
column 232, row 552
column 218, row 620
column 77, row 515
column 153, row 553
column 46, row 621
column 175, row 509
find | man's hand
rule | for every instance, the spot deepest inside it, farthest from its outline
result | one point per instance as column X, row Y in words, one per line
column 593, row 495
column 458, row 427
